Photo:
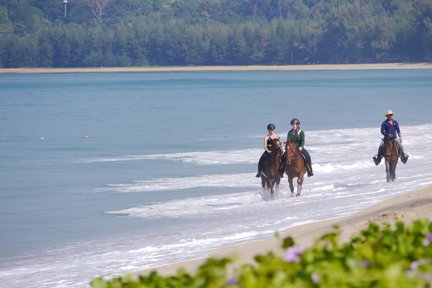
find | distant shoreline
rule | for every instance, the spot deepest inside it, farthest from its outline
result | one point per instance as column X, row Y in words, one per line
column 319, row 67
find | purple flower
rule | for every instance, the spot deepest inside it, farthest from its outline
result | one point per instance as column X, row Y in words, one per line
column 366, row 264
column 231, row 281
column 414, row 265
column 427, row 240
column 292, row 254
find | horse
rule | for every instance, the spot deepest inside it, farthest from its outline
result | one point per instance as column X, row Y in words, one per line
column 270, row 166
column 391, row 157
column 295, row 166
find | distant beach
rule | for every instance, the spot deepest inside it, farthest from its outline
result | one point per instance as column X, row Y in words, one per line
column 405, row 207
column 375, row 66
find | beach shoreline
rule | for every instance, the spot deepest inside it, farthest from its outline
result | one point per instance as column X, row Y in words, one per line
column 405, row 207
column 313, row 67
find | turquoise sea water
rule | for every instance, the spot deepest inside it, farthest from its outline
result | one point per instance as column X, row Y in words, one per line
column 105, row 173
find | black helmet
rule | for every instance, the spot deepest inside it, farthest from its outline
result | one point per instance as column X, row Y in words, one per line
column 295, row 121
column 271, row 126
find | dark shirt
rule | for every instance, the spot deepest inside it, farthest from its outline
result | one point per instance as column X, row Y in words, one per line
column 393, row 129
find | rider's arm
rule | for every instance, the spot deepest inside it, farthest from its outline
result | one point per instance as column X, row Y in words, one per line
column 302, row 139
column 398, row 130
column 383, row 129
column 265, row 144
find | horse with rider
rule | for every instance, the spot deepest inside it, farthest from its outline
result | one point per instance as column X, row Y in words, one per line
column 391, row 148
column 294, row 150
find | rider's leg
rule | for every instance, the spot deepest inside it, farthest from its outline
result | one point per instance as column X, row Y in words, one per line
column 403, row 156
column 377, row 158
column 282, row 165
column 260, row 162
column 308, row 162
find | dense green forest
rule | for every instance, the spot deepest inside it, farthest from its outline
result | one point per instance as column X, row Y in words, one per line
column 94, row 33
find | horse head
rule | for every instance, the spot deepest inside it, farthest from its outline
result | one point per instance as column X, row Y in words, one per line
column 275, row 146
column 291, row 149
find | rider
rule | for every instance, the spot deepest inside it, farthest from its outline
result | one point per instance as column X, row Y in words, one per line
column 391, row 126
column 271, row 135
column 298, row 136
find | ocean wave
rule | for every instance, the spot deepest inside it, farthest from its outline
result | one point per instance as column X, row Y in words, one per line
column 325, row 147
column 245, row 156
column 189, row 207
column 181, row 183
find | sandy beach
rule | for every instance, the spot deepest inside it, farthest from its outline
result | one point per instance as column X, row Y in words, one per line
column 405, row 207
column 375, row 66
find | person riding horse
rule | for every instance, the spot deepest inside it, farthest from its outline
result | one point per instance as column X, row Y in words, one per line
column 267, row 146
column 390, row 128
column 297, row 135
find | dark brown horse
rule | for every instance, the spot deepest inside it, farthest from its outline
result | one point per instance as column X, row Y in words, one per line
column 391, row 157
column 295, row 166
column 270, row 166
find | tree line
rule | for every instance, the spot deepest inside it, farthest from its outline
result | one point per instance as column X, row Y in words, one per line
column 94, row 33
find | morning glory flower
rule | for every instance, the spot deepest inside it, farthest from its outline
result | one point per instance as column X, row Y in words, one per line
column 414, row 265
column 427, row 240
column 292, row 254
column 231, row 281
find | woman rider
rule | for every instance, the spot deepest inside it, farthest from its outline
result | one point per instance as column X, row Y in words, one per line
column 271, row 135
column 298, row 137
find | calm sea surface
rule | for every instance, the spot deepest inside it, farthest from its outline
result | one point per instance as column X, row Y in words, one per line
column 109, row 173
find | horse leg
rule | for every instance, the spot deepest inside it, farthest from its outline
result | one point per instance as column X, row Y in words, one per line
column 387, row 166
column 291, row 185
column 299, row 185
column 393, row 176
column 268, row 183
column 272, row 183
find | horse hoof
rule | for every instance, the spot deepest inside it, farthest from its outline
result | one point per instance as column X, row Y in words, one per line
column 298, row 194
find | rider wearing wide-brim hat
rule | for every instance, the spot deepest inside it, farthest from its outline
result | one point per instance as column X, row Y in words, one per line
column 297, row 135
column 390, row 127
column 271, row 128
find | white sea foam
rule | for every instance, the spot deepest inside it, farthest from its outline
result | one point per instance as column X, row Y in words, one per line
column 223, row 181
column 245, row 156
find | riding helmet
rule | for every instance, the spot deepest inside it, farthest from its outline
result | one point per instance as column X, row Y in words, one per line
column 271, row 126
column 295, row 121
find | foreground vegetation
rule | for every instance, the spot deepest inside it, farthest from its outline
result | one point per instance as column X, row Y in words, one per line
column 389, row 256
column 94, row 33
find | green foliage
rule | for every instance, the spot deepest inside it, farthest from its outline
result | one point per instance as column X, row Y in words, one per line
column 209, row 32
column 389, row 256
